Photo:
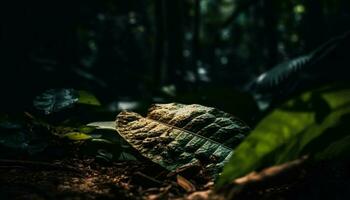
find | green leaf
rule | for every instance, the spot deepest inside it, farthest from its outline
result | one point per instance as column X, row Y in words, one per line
column 86, row 97
column 312, row 124
column 126, row 156
column 273, row 132
column 174, row 135
column 77, row 136
column 56, row 100
column 101, row 140
column 107, row 125
column 86, row 129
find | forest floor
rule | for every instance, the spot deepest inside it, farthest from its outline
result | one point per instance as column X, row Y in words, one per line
column 83, row 178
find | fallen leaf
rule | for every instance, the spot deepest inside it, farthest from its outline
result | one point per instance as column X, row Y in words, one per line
column 174, row 135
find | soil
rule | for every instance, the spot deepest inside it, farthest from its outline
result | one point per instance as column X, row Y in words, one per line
column 78, row 178
column 84, row 178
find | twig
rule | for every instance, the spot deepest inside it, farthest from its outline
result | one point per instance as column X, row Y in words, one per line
column 270, row 176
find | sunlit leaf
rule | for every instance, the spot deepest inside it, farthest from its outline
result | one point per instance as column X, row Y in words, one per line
column 174, row 135
column 88, row 98
column 273, row 132
column 108, row 125
column 77, row 136
column 293, row 130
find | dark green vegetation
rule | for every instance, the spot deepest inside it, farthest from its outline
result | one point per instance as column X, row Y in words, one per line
column 314, row 124
column 281, row 67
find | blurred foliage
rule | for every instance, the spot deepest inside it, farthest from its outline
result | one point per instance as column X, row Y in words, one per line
column 132, row 49
column 324, row 65
column 315, row 124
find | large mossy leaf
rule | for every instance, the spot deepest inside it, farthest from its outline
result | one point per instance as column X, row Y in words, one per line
column 313, row 124
column 174, row 135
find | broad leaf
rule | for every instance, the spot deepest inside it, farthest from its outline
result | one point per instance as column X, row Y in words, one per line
column 56, row 100
column 314, row 124
column 88, row 98
column 77, row 136
column 173, row 135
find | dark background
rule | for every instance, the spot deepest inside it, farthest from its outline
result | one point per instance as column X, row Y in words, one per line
column 155, row 50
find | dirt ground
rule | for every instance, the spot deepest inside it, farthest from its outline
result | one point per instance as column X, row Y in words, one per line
column 83, row 178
